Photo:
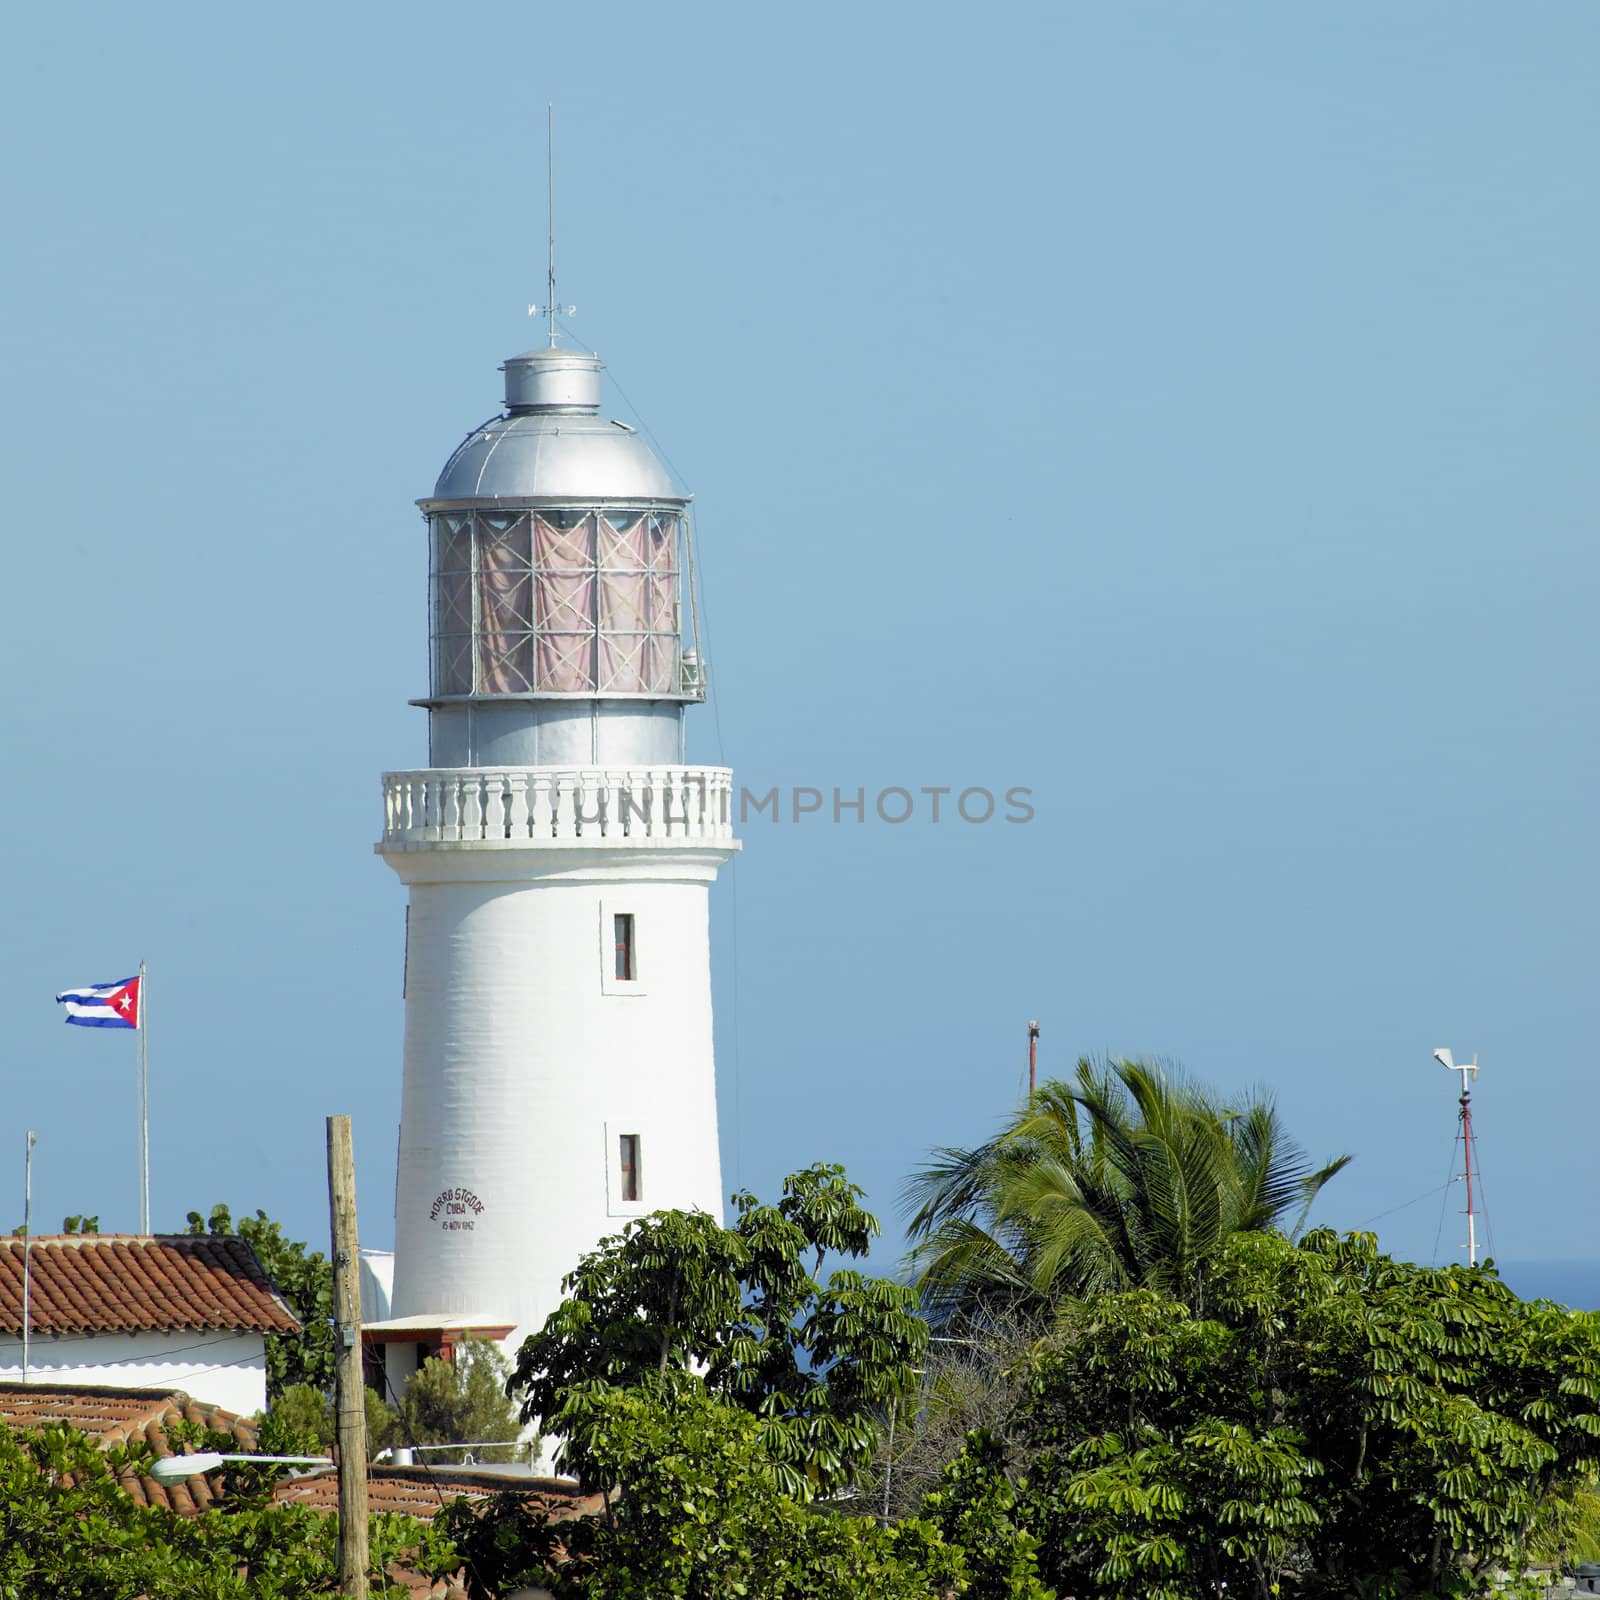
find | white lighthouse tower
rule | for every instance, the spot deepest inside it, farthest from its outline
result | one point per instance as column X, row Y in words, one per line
column 558, row 854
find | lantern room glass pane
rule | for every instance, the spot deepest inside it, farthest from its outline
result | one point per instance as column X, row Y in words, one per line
column 566, row 662
column 452, row 665
column 557, row 600
column 503, row 542
column 452, row 544
column 504, row 574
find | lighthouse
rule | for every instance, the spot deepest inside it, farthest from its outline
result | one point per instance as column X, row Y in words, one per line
column 558, row 854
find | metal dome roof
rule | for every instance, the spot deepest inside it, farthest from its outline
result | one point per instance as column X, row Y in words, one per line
column 552, row 443
column 542, row 456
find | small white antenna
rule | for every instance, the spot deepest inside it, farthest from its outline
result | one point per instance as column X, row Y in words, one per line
column 550, row 309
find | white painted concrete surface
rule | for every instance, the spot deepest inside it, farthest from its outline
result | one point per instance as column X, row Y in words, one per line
column 227, row 1369
column 527, row 1060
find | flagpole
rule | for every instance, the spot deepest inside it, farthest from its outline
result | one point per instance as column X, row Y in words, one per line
column 27, row 1247
column 144, row 1103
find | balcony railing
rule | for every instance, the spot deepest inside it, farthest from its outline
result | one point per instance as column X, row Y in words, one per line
column 522, row 806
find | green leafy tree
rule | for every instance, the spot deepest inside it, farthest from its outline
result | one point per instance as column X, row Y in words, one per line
column 976, row 1510
column 1338, row 1424
column 68, row 1225
column 304, row 1277
column 1568, row 1529
column 303, row 1417
column 741, row 1312
column 698, row 1511
column 70, row 1530
column 460, row 1401
column 302, row 1422
column 1123, row 1177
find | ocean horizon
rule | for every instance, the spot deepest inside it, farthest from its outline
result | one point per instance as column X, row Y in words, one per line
column 1571, row 1283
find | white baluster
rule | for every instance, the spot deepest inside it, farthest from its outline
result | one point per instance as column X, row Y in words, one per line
column 685, row 817
column 663, row 813
column 636, row 800
column 427, row 809
column 685, row 784
column 598, row 812
column 517, row 816
column 646, row 803
column 408, row 797
column 673, row 821
column 433, row 803
column 543, row 805
column 620, row 819
column 664, row 819
column 494, row 806
column 619, row 805
column 658, row 802
column 472, row 806
column 449, row 806
column 694, row 802
column 566, row 802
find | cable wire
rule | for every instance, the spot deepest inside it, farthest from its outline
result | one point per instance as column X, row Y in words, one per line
column 1405, row 1204
column 1438, row 1232
column 427, row 1467
column 733, row 877
column 622, row 394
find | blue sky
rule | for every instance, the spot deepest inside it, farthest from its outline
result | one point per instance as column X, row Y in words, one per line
column 1186, row 413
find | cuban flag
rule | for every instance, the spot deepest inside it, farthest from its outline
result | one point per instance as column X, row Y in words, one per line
column 105, row 1005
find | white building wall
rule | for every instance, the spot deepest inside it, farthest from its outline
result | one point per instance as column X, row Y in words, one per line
column 226, row 1369
column 526, row 1061
column 377, row 1284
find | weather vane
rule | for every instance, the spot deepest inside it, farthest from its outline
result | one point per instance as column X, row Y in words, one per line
column 550, row 309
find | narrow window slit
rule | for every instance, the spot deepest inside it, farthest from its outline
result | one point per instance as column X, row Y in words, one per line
column 628, row 1166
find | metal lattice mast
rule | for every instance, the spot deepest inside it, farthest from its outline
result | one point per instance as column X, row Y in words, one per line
column 1464, row 1122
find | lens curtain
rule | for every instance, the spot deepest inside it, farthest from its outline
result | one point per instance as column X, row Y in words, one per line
column 555, row 601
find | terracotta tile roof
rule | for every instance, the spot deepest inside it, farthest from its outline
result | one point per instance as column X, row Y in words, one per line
column 120, row 1417
column 129, row 1283
column 423, row 1492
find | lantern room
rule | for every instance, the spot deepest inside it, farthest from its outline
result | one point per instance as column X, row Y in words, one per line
column 563, row 626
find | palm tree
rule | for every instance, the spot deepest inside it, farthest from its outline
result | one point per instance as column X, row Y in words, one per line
column 1123, row 1177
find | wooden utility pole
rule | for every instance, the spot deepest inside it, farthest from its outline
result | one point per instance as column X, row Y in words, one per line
column 350, row 1396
